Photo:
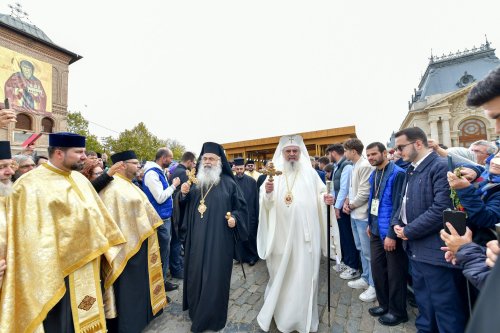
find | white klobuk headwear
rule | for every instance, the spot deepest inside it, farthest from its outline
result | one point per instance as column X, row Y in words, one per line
column 287, row 141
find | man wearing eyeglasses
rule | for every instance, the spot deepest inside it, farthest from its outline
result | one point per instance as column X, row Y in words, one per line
column 437, row 284
column 134, row 278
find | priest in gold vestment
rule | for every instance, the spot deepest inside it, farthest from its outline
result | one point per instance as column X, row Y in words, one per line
column 135, row 292
column 57, row 232
column 6, row 173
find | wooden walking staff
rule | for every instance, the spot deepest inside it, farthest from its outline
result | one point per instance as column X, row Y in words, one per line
column 328, row 190
column 270, row 171
column 228, row 216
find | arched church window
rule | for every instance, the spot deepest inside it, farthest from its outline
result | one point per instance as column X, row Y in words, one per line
column 23, row 122
column 47, row 125
column 471, row 130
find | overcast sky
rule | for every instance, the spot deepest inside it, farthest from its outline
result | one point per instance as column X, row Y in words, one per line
column 234, row 70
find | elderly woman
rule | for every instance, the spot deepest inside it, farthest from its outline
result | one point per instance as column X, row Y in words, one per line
column 97, row 176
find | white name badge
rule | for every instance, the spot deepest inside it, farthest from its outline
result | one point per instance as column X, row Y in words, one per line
column 374, row 209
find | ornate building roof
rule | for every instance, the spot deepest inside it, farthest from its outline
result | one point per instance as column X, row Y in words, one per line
column 448, row 73
column 31, row 31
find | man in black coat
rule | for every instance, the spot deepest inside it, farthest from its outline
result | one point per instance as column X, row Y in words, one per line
column 247, row 251
column 175, row 259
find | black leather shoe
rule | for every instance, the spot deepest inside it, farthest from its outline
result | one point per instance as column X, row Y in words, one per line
column 377, row 311
column 169, row 300
column 170, row 286
column 252, row 262
column 391, row 320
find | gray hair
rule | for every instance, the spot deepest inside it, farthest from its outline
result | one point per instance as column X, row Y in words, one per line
column 491, row 147
column 22, row 158
column 462, row 153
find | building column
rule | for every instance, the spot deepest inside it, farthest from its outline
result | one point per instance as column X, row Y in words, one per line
column 445, row 121
column 434, row 129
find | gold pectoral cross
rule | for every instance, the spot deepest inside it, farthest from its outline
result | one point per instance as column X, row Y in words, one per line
column 202, row 208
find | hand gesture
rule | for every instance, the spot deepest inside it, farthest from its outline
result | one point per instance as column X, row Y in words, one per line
column 185, row 188
column 457, row 183
column 7, row 116
column 116, row 167
column 453, row 240
column 269, row 187
column 400, row 232
column 231, row 222
column 328, row 198
column 492, row 252
column 176, row 181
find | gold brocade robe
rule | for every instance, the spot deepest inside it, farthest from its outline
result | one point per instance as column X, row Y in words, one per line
column 138, row 220
column 56, row 224
column 254, row 174
column 3, row 232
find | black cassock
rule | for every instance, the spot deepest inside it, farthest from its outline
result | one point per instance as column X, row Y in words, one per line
column 209, row 249
column 247, row 251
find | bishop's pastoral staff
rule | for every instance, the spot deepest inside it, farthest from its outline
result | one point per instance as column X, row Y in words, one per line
column 210, row 238
column 291, row 236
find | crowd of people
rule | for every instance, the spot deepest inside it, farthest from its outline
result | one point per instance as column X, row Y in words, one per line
column 87, row 246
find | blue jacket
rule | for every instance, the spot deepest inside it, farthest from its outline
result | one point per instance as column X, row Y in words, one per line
column 483, row 211
column 164, row 209
column 472, row 257
column 428, row 195
column 390, row 188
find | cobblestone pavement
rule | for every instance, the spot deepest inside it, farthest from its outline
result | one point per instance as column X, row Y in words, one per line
column 348, row 313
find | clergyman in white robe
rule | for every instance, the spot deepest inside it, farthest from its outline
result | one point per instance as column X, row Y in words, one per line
column 291, row 237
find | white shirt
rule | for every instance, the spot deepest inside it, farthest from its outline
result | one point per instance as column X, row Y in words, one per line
column 403, row 204
column 155, row 186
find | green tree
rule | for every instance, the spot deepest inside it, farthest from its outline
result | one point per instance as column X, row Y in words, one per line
column 177, row 148
column 139, row 139
column 79, row 125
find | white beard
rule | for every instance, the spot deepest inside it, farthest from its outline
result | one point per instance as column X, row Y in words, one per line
column 5, row 189
column 291, row 166
column 208, row 176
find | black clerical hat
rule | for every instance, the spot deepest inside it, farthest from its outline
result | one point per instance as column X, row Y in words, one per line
column 213, row 148
column 66, row 139
column 250, row 162
column 239, row 161
column 123, row 156
column 5, row 153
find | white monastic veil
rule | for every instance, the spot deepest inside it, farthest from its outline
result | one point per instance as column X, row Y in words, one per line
column 265, row 248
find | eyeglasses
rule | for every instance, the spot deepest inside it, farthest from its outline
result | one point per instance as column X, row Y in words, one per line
column 97, row 173
column 401, row 147
column 211, row 159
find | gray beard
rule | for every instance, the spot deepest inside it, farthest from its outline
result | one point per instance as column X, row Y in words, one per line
column 208, row 176
column 291, row 166
column 5, row 189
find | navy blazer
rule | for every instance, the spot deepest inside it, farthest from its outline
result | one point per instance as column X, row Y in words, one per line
column 428, row 195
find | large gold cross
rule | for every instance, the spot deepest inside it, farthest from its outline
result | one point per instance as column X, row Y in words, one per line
column 192, row 176
column 270, row 171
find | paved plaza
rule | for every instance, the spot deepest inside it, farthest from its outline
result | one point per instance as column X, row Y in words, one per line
column 348, row 313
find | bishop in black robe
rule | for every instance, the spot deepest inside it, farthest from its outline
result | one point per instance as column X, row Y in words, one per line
column 247, row 251
column 209, row 246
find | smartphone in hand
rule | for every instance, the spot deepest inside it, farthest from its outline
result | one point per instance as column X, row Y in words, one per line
column 457, row 220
